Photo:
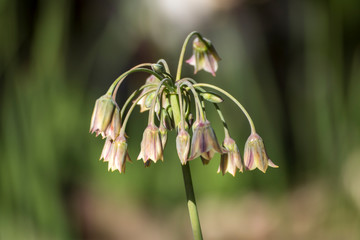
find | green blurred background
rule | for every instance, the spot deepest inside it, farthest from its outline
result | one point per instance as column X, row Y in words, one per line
column 295, row 65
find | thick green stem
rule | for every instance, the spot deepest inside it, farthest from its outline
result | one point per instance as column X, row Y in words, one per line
column 190, row 196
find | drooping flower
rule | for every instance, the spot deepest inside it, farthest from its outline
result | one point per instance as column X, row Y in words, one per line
column 116, row 155
column 151, row 147
column 102, row 115
column 204, row 56
column 113, row 128
column 204, row 142
column 230, row 160
column 183, row 145
column 255, row 155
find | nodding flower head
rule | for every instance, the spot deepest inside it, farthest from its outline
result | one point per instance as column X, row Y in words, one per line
column 204, row 56
column 102, row 115
column 230, row 160
column 255, row 155
column 151, row 147
column 175, row 103
column 115, row 153
column 204, row 142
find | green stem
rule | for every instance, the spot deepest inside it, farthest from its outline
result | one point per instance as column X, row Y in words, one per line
column 123, row 108
column 122, row 131
column 226, row 130
column 122, row 77
column 191, row 202
column 199, row 107
column 252, row 126
column 181, row 58
column 190, row 195
column 152, row 108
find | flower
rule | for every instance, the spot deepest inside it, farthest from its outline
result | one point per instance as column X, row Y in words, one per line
column 106, row 149
column 102, row 115
column 255, row 155
column 113, row 128
column 230, row 159
column 151, row 147
column 204, row 56
column 116, row 154
column 183, row 145
column 142, row 102
column 204, row 141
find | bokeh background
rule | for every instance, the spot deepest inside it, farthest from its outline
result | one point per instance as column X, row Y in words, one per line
column 295, row 65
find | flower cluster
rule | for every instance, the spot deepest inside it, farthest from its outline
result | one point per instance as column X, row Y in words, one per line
column 169, row 101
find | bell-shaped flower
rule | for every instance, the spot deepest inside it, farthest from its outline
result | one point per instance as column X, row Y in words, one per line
column 151, row 147
column 204, row 142
column 183, row 145
column 255, row 155
column 113, row 128
column 102, row 115
column 116, row 155
column 204, row 56
column 231, row 159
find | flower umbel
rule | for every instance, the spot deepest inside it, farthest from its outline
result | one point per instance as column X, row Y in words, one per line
column 255, row 155
column 174, row 103
column 230, row 160
column 204, row 56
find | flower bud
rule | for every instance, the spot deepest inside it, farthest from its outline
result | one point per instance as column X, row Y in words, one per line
column 183, row 145
column 211, row 97
column 230, row 160
column 151, row 147
column 204, row 56
column 102, row 115
column 255, row 155
column 163, row 135
column 158, row 68
column 141, row 102
column 204, row 141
